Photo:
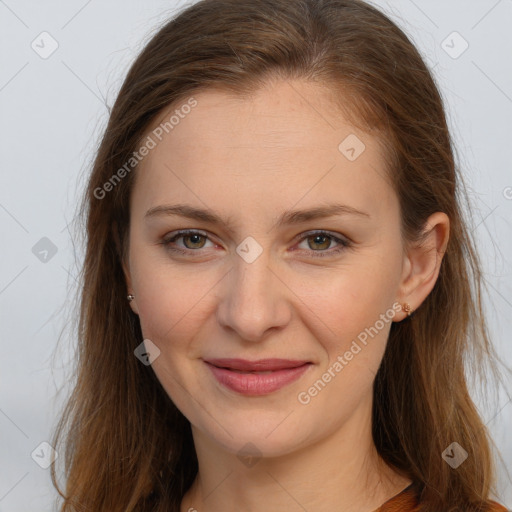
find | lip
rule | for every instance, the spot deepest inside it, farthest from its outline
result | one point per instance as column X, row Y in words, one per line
column 281, row 373
column 260, row 365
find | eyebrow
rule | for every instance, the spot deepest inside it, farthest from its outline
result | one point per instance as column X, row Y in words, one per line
column 290, row 217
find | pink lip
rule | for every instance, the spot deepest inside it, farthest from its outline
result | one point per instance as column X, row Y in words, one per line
column 283, row 372
column 260, row 365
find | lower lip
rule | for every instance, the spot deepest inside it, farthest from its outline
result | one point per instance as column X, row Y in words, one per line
column 257, row 383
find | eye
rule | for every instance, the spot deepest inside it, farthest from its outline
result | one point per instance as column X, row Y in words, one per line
column 322, row 240
column 193, row 240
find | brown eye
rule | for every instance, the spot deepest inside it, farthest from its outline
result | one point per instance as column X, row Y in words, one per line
column 321, row 241
column 319, row 244
column 192, row 241
column 195, row 241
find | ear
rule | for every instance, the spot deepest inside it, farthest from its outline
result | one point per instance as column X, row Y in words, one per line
column 125, row 266
column 422, row 262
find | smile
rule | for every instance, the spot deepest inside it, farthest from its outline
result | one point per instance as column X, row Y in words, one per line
column 256, row 378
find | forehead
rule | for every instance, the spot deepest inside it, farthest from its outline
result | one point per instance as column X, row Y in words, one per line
column 285, row 143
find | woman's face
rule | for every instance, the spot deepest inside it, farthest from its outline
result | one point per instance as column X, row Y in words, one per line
column 261, row 283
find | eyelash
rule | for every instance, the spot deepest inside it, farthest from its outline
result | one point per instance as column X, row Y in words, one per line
column 344, row 243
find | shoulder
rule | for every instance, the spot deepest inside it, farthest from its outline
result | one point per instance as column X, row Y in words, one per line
column 416, row 507
column 409, row 501
column 496, row 507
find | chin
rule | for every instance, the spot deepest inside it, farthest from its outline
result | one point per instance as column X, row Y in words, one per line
column 258, row 439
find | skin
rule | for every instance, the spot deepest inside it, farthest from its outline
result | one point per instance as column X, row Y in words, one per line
column 250, row 160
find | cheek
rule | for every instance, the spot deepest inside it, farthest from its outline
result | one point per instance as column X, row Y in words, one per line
column 349, row 303
column 171, row 302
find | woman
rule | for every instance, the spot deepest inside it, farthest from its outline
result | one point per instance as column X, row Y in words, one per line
column 278, row 288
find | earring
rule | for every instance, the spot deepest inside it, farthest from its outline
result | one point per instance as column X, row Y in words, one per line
column 407, row 308
column 130, row 297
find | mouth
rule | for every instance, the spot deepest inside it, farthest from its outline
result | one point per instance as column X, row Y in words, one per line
column 261, row 366
column 256, row 377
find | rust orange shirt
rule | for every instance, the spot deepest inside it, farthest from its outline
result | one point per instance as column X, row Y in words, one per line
column 407, row 501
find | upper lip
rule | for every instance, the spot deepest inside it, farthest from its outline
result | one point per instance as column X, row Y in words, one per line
column 259, row 365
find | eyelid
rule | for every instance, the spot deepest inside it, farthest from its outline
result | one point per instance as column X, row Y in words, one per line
column 331, row 234
column 174, row 235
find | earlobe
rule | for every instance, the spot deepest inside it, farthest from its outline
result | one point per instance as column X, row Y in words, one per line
column 423, row 261
column 125, row 267
column 130, row 295
column 131, row 299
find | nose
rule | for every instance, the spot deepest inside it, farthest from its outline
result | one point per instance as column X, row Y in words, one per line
column 254, row 300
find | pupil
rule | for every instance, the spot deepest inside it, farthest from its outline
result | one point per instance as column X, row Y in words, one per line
column 318, row 239
column 194, row 239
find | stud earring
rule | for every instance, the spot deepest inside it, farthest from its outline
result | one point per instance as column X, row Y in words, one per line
column 130, row 297
column 407, row 308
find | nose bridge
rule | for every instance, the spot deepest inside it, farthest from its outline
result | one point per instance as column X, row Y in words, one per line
column 253, row 302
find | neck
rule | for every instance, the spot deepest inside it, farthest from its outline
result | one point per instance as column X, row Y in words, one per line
column 341, row 472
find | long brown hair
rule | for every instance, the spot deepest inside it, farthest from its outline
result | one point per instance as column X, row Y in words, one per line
column 127, row 447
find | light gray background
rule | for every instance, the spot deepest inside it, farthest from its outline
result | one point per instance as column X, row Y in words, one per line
column 52, row 113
